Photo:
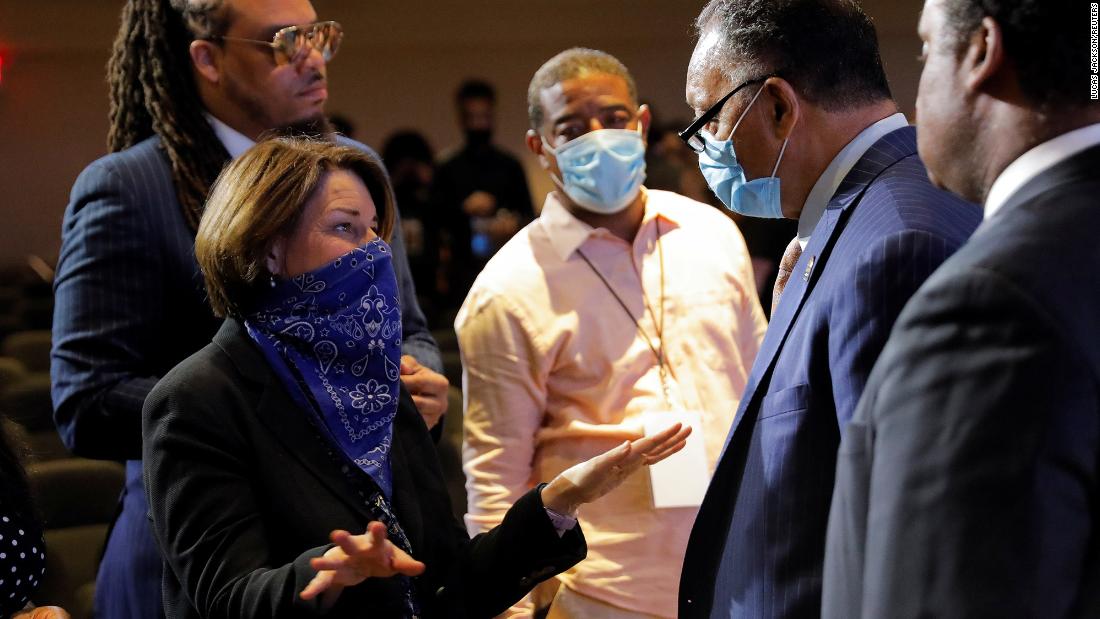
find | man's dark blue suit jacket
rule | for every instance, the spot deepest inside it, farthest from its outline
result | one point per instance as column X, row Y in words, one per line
column 757, row 547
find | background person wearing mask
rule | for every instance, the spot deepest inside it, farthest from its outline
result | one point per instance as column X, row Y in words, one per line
column 969, row 478
column 409, row 160
column 192, row 84
column 481, row 192
column 795, row 120
column 617, row 308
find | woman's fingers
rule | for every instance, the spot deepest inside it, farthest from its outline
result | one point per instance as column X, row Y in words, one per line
column 405, row 564
column 667, row 440
column 376, row 531
column 320, row 583
column 357, row 545
column 649, row 443
column 654, row 458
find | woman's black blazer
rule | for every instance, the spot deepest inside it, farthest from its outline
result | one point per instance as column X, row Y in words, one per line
column 243, row 493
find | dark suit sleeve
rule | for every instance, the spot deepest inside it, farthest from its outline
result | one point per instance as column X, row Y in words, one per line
column 199, row 480
column 863, row 313
column 984, row 437
column 105, row 317
column 505, row 563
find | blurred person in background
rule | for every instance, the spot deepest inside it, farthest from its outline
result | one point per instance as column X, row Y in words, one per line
column 481, row 191
column 192, row 83
column 411, row 165
column 618, row 309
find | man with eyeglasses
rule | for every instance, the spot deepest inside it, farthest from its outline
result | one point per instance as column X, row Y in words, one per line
column 795, row 120
column 192, row 83
column 620, row 309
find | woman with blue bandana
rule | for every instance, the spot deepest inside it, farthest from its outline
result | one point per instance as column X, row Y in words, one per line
column 288, row 472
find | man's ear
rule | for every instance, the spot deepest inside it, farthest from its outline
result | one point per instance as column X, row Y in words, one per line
column 984, row 59
column 783, row 107
column 275, row 257
column 534, row 144
column 645, row 117
column 205, row 58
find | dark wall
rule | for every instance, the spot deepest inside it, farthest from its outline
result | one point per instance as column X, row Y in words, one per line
column 398, row 69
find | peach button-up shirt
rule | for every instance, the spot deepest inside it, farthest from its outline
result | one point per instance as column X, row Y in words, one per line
column 555, row 372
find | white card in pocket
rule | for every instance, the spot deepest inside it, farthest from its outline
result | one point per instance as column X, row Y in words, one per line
column 681, row 479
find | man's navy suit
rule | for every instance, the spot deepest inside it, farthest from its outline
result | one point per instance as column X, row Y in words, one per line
column 968, row 482
column 757, row 546
column 129, row 305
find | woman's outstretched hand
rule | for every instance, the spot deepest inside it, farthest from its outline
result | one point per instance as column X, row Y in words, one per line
column 591, row 479
column 356, row 558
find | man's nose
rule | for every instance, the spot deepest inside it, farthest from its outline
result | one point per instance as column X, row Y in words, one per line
column 312, row 59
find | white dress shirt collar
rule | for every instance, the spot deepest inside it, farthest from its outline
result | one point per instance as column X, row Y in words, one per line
column 829, row 181
column 234, row 141
column 1036, row 161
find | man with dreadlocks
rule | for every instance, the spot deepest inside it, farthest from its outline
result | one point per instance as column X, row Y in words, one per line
column 192, row 84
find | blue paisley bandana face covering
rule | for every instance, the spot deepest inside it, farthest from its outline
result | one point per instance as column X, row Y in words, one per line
column 602, row 170
column 726, row 178
column 335, row 333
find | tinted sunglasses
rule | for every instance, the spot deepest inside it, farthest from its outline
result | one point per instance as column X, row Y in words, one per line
column 293, row 44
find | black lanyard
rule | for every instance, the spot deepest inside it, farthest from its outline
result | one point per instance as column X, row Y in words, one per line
column 659, row 323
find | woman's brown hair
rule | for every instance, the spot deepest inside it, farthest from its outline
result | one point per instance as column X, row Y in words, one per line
column 259, row 198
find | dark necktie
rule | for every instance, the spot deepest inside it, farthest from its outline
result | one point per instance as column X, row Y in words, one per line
column 786, row 265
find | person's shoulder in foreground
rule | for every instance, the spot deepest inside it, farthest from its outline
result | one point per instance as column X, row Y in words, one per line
column 967, row 480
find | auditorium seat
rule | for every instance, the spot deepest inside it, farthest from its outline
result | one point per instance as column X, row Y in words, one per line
column 11, row 372
column 32, row 348
column 77, row 500
column 27, row 403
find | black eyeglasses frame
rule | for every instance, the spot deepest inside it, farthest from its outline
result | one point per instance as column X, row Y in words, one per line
column 690, row 135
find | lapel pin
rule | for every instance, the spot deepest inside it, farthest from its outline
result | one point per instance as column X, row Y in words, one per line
column 809, row 267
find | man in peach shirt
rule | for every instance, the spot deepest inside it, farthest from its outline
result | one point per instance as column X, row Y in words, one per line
column 617, row 309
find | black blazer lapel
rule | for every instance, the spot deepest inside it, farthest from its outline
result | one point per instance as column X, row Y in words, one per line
column 406, row 463
column 280, row 415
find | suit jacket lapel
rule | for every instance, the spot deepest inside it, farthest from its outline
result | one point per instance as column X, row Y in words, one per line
column 403, row 457
column 278, row 413
column 886, row 152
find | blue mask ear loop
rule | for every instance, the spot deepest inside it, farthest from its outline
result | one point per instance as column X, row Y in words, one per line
column 782, row 150
column 553, row 151
column 737, row 124
column 746, row 112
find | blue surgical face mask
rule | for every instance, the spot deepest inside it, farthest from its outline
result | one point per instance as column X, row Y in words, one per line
column 726, row 178
column 603, row 170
